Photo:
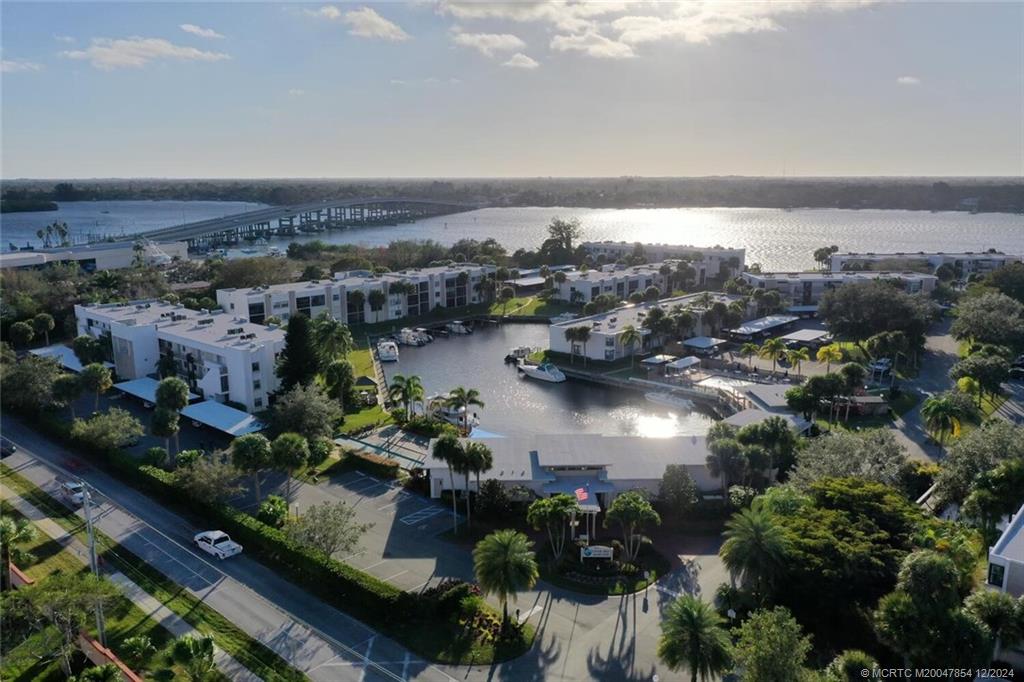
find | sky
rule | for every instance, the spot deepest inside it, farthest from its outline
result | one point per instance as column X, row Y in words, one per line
column 511, row 89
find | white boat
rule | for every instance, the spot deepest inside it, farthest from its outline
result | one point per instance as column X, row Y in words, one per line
column 458, row 327
column 439, row 408
column 387, row 351
column 424, row 333
column 669, row 400
column 518, row 353
column 411, row 337
column 543, row 372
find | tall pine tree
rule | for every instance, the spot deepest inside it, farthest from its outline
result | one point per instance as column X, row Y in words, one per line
column 298, row 363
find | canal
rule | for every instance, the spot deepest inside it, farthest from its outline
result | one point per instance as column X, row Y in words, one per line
column 516, row 406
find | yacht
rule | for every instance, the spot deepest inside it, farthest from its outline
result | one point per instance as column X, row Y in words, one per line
column 424, row 333
column 543, row 372
column 669, row 400
column 412, row 337
column 439, row 408
column 458, row 327
column 387, row 351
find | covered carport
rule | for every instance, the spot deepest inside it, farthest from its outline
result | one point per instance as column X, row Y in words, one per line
column 222, row 418
column 145, row 390
column 65, row 356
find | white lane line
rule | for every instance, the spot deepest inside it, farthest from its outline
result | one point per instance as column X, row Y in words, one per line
column 670, row 592
column 402, row 495
column 419, row 587
column 369, row 648
column 389, row 579
column 405, row 667
column 523, row 617
column 367, row 568
column 353, row 556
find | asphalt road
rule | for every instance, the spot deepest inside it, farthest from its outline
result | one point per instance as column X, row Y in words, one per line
column 315, row 638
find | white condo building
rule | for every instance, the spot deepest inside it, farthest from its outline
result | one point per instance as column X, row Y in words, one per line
column 706, row 260
column 606, row 328
column 807, row 288
column 619, row 281
column 448, row 286
column 100, row 256
column 964, row 264
column 222, row 357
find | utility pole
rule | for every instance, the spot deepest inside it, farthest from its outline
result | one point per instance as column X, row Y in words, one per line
column 93, row 562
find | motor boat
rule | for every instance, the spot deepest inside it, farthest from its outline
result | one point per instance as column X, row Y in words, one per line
column 543, row 372
column 669, row 400
column 438, row 407
column 387, row 351
column 422, row 331
column 411, row 337
column 458, row 327
column 518, row 353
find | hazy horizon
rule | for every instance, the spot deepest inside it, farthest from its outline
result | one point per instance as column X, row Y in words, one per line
column 449, row 89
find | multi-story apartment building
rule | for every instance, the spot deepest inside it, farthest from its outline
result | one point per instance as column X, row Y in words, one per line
column 964, row 264
column 807, row 288
column 606, row 329
column 1006, row 574
column 709, row 262
column 221, row 356
column 620, row 281
column 406, row 293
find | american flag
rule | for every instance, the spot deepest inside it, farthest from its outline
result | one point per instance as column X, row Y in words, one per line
column 581, row 494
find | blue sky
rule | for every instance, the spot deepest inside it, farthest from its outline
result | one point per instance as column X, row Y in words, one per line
column 423, row 89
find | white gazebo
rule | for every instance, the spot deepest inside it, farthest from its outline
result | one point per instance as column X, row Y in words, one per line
column 682, row 365
column 657, row 361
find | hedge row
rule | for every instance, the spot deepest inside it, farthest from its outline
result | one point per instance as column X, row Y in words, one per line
column 373, row 465
column 373, row 601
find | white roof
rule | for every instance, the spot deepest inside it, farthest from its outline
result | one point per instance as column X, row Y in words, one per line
column 703, row 342
column 769, row 396
column 64, row 355
column 144, row 388
column 755, row 416
column 805, row 335
column 763, row 324
column 223, row 418
column 658, row 360
column 683, row 363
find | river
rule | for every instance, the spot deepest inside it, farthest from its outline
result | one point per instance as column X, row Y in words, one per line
column 516, row 406
column 777, row 239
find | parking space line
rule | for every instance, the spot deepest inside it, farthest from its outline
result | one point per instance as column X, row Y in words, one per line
column 367, row 568
column 421, row 515
column 526, row 616
column 369, row 648
column 390, row 578
column 402, row 495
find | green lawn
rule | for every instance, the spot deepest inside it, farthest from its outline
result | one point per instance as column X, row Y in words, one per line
column 246, row 650
column 369, row 416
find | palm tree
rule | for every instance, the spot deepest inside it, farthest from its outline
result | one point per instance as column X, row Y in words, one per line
column 683, row 321
column 571, row 336
column 357, row 299
column 829, row 354
column 461, row 397
column 332, row 338
column 377, row 298
column 479, row 459
column 449, row 450
column 797, row 357
column 692, row 637
column 943, row 416
column 630, row 337
column 747, row 351
column 407, row 390
column 583, row 335
column 772, row 349
column 13, row 533
column 755, row 549
column 504, row 564
column 195, row 655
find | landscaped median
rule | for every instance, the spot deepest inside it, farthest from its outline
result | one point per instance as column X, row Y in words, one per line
column 411, row 619
column 603, row 575
column 252, row 654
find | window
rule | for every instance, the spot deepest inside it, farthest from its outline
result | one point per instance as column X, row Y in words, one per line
column 224, row 384
column 609, row 342
column 257, row 384
column 996, row 574
column 255, row 366
column 609, row 354
column 317, row 300
column 258, row 402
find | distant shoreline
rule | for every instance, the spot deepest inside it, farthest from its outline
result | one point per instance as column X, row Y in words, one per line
column 27, row 205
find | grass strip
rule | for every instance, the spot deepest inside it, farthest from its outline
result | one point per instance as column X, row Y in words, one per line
column 251, row 653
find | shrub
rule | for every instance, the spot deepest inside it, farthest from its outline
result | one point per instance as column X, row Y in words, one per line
column 372, row 464
column 319, row 450
column 155, row 456
column 273, row 511
column 137, row 649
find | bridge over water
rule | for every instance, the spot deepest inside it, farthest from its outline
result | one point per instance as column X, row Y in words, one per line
column 309, row 218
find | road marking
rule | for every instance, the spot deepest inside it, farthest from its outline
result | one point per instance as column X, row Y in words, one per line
column 420, row 586
column 366, row 656
column 353, row 556
column 389, row 579
column 405, row 667
column 670, row 592
column 367, row 568
column 526, row 616
column 402, row 495
column 421, row 515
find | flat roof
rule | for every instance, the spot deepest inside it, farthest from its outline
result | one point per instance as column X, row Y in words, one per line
column 223, row 418
column 762, row 324
column 925, row 254
column 684, row 363
column 805, row 335
column 64, row 355
column 703, row 342
column 658, row 360
column 1011, row 543
column 633, row 314
column 144, row 388
column 755, row 416
column 770, row 396
column 839, row 276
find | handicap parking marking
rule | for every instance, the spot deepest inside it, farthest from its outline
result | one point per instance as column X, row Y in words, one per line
column 400, row 497
column 421, row 515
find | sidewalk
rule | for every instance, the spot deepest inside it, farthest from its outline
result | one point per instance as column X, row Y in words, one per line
column 142, row 599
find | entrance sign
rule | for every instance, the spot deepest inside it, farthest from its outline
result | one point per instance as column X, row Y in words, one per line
column 596, row 552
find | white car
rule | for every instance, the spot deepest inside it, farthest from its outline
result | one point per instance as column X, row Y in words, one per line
column 73, row 492
column 217, row 543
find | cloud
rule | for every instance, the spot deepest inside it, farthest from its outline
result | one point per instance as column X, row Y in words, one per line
column 108, row 54
column 592, row 44
column 521, row 61
column 326, row 12
column 200, row 31
column 566, row 16
column 366, row 23
column 64, row 39
column 18, row 66
column 908, row 80
column 488, row 43
column 700, row 21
